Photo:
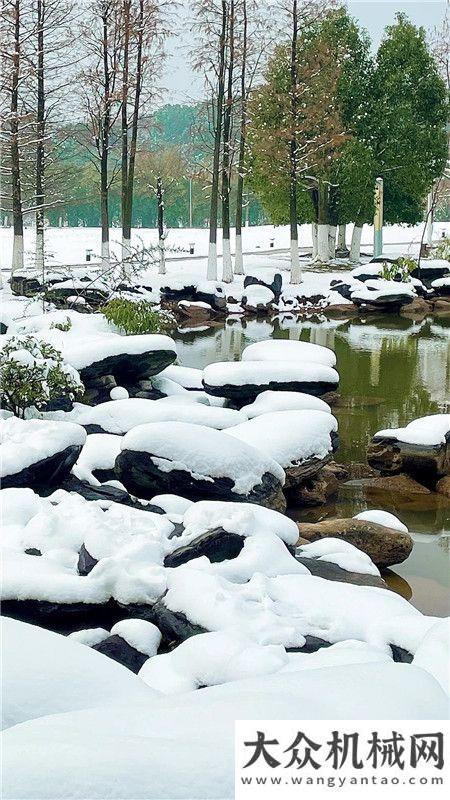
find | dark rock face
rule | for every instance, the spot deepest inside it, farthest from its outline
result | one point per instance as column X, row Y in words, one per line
column 48, row 472
column 400, row 655
column 312, row 645
column 428, row 274
column 315, row 490
column 246, row 393
column 119, row 650
column 426, row 463
column 217, row 545
column 333, row 572
column 127, row 368
column 391, row 301
column 59, row 295
column 142, row 477
column 174, row 626
column 86, row 562
column 68, row 617
column 394, row 484
column 116, row 495
column 385, row 546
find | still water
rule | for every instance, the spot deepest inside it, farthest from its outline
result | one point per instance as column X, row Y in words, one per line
column 391, row 371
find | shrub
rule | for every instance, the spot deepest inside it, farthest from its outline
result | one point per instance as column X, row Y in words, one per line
column 442, row 250
column 138, row 317
column 62, row 326
column 33, row 373
column 399, row 271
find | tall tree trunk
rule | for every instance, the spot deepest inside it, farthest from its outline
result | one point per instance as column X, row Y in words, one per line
column 213, row 215
column 239, row 260
column 161, row 235
column 227, row 267
column 40, row 145
column 17, row 258
column 134, row 125
column 323, row 244
column 341, row 243
column 104, row 145
column 126, row 228
column 355, row 247
column 295, row 258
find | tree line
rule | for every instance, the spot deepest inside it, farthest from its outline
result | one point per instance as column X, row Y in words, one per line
column 297, row 111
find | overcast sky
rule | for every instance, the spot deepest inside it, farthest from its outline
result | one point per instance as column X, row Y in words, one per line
column 185, row 86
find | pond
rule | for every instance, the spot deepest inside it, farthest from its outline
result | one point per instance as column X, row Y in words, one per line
column 392, row 370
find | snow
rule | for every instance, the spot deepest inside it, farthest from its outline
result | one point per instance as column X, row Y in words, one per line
column 269, row 401
column 140, row 634
column 288, row 350
column 382, row 518
column 342, row 553
column 244, row 519
column 441, row 283
column 258, row 373
column 428, row 431
column 289, row 437
column 202, row 452
column 171, row 503
column 89, row 636
column 26, row 442
column 257, row 295
column 433, row 653
column 208, row 659
column 99, row 452
column 119, row 393
column 188, row 377
column 91, row 350
column 121, row 416
column 45, row 673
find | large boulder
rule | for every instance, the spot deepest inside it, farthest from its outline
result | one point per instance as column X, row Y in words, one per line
column 289, row 350
column 241, row 382
column 421, row 449
column 131, row 642
column 300, row 441
column 38, row 453
column 127, row 358
column 197, row 462
column 383, row 294
column 385, row 546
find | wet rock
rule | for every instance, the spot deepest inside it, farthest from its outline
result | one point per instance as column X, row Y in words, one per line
column 315, row 491
column 396, row 484
column 441, row 307
column 443, row 486
column 341, row 310
column 195, row 312
column 384, row 546
column 358, row 471
column 217, row 545
column 333, row 572
column 423, row 462
column 417, row 309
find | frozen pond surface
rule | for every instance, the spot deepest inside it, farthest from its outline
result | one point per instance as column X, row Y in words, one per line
column 392, row 370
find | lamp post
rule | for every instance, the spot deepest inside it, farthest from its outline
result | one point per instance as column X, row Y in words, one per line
column 378, row 219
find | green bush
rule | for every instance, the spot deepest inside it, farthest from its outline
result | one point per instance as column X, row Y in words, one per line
column 139, row 317
column 442, row 250
column 62, row 326
column 401, row 268
column 33, row 373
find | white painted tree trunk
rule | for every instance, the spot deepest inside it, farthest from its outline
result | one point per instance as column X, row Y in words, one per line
column 126, row 248
column 39, row 255
column 17, row 255
column 211, row 272
column 162, row 257
column 296, row 273
column 323, row 245
column 105, row 255
column 239, row 259
column 314, row 233
column 227, row 264
column 341, row 245
column 332, row 240
column 355, row 247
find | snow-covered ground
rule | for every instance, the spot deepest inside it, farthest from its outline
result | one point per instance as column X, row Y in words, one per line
column 70, row 245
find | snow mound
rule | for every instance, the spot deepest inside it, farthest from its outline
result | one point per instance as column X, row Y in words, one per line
column 119, row 393
column 269, row 401
column 140, row 634
column 236, row 373
column 245, row 519
column 289, row 437
column 188, row 377
column 288, row 350
column 383, row 518
column 99, row 453
column 344, row 554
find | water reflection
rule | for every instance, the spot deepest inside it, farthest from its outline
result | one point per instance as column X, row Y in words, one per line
column 392, row 370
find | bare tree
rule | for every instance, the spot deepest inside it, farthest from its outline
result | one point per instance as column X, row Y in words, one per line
column 144, row 30
column 227, row 265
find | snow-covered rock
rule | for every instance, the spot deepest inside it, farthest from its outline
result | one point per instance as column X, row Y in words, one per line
column 384, row 294
column 300, row 441
column 188, row 377
column 38, row 453
column 382, row 518
column 196, row 462
column 421, row 448
column 95, row 463
column 258, row 299
column 241, row 382
column 289, row 350
column 131, row 642
column 442, row 286
column 121, row 416
column 384, row 545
